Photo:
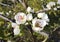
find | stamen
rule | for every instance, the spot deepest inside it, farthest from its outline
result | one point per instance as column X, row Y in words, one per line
column 20, row 17
column 37, row 24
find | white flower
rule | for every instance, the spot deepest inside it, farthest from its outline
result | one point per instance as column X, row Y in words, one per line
column 16, row 31
column 29, row 17
column 14, row 25
column 20, row 18
column 29, row 9
column 40, row 15
column 38, row 24
column 58, row 2
column 50, row 4
column 43, row 16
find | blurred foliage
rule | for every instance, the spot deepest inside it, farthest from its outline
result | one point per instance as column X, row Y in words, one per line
column 6, row 31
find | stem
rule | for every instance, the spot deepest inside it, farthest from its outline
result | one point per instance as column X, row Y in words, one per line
column 55, row 28
column 42, row 10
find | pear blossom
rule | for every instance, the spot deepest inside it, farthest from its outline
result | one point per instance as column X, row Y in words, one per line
column 38, row 24
column 20, row 18
column 40, row 15
column 43, row 16
column 29, row 17
column 16, row 31
column 29, row 9
column 50, row 4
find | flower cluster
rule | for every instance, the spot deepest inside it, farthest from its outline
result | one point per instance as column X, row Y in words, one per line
column 28, row 21
column 38, row 23
column 50, row 4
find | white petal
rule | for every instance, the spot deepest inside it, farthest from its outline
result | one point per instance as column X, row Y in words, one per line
column 18, row 22
column 45, row 17
column 43, row 23
column 29, row 9
column 32, row 10
column 37, row 29
column 34, row 21
column 50, row 4
column 29, row 17
column 16, row 31
column 14, row 25
column 40, row 15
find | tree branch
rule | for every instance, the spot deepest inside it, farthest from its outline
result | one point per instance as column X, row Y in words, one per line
column 45, row 35
column 4, row 4
column 42, row 10
column 5, row 18
column 22, row 2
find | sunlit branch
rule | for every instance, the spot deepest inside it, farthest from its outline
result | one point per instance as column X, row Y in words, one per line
column 46, row 36
column 4, row 4
column 22, row 2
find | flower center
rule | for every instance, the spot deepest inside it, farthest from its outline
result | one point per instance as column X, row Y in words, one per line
column 37, row 24
column 21, row 17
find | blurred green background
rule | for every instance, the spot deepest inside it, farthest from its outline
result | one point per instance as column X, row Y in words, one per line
column 25, row 35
